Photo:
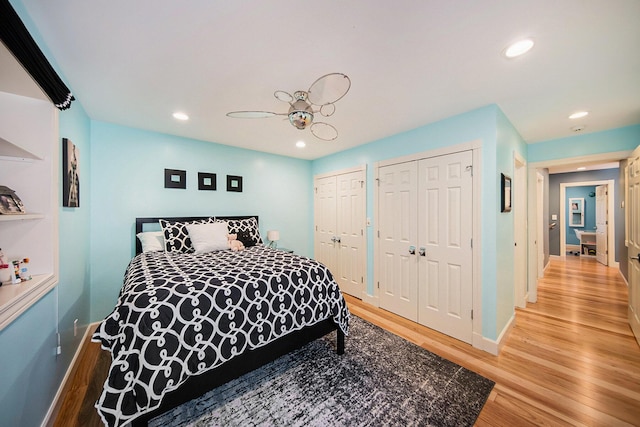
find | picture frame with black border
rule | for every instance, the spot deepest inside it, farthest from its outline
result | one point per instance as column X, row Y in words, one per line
column 505, row 193
column 234, row 183
column 10, row 203
column 175, row 178
column 207, row 181
column 70, row 174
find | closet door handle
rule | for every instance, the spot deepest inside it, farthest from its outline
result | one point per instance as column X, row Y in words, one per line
column 423, row 251
column 412, row 250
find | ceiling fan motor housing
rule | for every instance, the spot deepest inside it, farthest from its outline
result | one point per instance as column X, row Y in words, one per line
column 300, row 114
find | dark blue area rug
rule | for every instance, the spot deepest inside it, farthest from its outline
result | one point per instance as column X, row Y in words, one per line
column 381, row 379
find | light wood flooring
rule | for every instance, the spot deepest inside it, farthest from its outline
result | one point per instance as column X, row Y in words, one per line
column 570, row 358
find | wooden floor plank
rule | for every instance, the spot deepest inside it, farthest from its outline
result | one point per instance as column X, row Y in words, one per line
column 570, row 358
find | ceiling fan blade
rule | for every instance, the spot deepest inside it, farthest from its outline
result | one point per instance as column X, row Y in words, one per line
column 329, row 89
column 252, row 114
column 283, row 96
column 323, row 131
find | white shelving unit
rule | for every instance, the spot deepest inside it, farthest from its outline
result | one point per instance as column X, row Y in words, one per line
column 588, row 244
column 29, row 165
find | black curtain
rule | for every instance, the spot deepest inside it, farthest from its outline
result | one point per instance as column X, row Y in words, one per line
column 17, row 39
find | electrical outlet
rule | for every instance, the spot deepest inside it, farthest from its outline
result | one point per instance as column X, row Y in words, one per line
column 75, row 327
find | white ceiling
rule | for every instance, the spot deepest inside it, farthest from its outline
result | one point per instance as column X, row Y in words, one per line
column 411, row 63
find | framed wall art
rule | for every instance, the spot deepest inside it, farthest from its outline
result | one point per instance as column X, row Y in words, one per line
column 505, row 198
column 234, row 183
column 207, row 181
column 175, row 178
column 70, row 174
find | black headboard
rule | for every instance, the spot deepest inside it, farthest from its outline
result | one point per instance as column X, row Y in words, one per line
column 141, row 221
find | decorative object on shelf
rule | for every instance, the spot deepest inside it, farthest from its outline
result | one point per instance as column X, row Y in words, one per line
column 234, row 183
column 322, row 94
column 175, row 178
column 70, row 174
column 5, row 272
column 505, row 193
column 207, row 181
column 10, row 203
column 273, row 236
column 24, row 270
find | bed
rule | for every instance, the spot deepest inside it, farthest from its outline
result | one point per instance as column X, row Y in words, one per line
column 189, row 319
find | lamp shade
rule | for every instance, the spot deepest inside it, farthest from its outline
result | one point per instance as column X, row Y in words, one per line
column 273, row 235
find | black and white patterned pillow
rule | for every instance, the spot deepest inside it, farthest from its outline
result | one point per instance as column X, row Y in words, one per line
column 246, row 229
column 176, row 235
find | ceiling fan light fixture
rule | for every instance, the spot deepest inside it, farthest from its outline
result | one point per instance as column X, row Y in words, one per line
column 300, row 119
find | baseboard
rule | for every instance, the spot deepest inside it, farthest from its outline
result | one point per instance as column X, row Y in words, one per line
column 491, row 346
column 49, row 419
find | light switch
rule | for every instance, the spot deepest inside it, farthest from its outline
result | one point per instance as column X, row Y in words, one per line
column 554, row 217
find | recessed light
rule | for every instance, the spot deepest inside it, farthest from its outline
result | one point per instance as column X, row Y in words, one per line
column 518, row 48
column 301, row 144
column 579, row 114
column 180, row 116
column 581, row 168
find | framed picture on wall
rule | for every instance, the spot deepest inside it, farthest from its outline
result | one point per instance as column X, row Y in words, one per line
column 505, row 197
column 70, row 174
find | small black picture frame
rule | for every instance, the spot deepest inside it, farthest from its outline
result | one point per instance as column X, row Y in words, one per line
column 234, row 183
column 175, row 178
column 207, row 181
column 70, row 174
column 505, row 193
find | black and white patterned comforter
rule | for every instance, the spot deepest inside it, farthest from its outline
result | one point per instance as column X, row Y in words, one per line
column 179, row 315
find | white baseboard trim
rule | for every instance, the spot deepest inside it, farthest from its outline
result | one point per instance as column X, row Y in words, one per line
column 491, row 346
column 48, row 422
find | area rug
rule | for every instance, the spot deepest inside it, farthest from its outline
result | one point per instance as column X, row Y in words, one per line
column 381, row 379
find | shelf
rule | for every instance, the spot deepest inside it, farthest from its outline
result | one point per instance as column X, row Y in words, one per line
column 9, row 151
column 21, row 217
column 15, row 299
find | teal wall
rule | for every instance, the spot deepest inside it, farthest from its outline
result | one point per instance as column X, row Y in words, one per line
column 488, row 125
column 609, row 141
column 127, row 181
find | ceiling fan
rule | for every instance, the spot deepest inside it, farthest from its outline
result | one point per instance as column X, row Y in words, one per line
column 303, row 105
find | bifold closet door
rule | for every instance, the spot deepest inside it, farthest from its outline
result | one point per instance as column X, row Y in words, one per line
column 397, row 219
column 326, row 221
column 340, row 219
column 445, row 285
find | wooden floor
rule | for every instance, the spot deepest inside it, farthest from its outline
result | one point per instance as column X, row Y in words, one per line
column 570, row 359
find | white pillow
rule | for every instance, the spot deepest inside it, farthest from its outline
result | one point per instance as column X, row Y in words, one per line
column 209, row 237
column 151, row 241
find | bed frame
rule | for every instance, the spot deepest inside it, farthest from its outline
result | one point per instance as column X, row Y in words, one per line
column 241, row 364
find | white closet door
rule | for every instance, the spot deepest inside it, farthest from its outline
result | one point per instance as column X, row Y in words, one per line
column 445, row 256
column 633, row 233
column 601, row 224
column 351, row 220
column 397, row 218
column 325, row 219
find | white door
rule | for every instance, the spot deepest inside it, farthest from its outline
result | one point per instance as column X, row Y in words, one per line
column 444, row 253
column 351, row 221
column 397, row 219
column 325, row 219
column 601, row 224
column 520, row 232
column 633, row 204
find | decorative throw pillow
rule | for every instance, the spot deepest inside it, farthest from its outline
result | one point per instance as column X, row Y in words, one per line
column 248, row 228
column 209, row 237
column 151, row 241
column 176, row 235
